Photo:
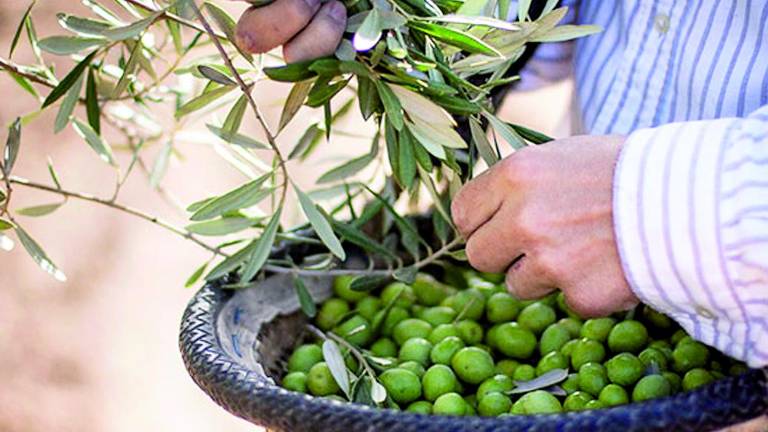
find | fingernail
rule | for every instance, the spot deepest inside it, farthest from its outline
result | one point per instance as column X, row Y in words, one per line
column 337, row 11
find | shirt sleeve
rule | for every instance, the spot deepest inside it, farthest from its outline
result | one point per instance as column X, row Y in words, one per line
column 691, row 220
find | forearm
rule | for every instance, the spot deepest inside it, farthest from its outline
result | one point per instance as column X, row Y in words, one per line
column 691, row 220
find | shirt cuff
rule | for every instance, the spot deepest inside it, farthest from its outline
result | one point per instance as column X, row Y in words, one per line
column 666, row 207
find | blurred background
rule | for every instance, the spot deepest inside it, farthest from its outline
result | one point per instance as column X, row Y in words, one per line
column 99, row 351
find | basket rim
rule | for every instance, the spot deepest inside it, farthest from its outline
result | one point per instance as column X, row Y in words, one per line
column 242, row 391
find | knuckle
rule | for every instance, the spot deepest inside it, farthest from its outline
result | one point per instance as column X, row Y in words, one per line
column 519, row 167
column 475, row 255
column 550, row 266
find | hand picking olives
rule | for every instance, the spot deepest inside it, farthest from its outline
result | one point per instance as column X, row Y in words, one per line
column 469, row 348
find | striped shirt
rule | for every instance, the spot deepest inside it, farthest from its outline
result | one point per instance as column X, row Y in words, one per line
column 687, row 82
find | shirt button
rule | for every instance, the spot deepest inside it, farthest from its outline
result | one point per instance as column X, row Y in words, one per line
column 704, row 312
column 661, row 23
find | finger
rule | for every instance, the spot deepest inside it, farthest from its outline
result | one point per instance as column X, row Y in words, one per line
column 321, row 36
column 526, row 282
column 496, row 244
column 264, row 28
column 477, row 201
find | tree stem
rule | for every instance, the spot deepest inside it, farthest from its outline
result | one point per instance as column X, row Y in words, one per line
column 126, row 209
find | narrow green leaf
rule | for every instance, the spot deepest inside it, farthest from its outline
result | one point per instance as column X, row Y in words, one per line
column 482, row 144
column 236, row 139
column 308, row 139
column 68, row 106
column 367, row 283
column 352, row 166
column 2, row 196
column 293, row 103
column 215, row 76
column 549, row 7
column 17, row 34
column 262, row 249
column 194, row 277
column 393, row 154
column 507, row 132
column 378, row 391
column 523, row 6
column 305, row 299
column 12, row 144
column 335, row 361
column 131, row 30
column 39, row 210
column 202, row 100
column 567, row 32
column 430, row 185
column 422, row 156
column 6, row 225
column 531, row 135
column 242, row 197
column 441, row 227
column 290, row 73
column 6, row 243
column 219, row 227
column 402, row 224
column 94, row 140
column 68, row 80
column 81, row 25
column 160, row 166
column 391, row 104
column 232, row 262
column 367, row 97
column 475, row 21
column 459, row 255
column 235, row 118
column 227, row 25
column 407, row 158
column 197, row 205
column 128, row 71
column 54, row 175
column 24, row 84
column 322, row 92
column 369, row 31
column 454, row 37
column 92, row 103
column 320, row 224
column 428, row 140
column 67, row 45
column 174, row 29
column 37, row 254
column 406, row 274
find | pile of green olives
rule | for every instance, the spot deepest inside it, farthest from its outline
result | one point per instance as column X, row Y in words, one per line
column 462, row 346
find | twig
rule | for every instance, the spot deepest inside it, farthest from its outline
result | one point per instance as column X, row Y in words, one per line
column 176, row 18
column 126, row 209
column 13, row 67
column 247, row 92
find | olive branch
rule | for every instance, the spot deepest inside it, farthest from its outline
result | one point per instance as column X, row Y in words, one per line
column 412, row 68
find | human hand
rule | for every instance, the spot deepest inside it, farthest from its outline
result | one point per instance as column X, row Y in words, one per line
column 544, row 215
column 306, row 29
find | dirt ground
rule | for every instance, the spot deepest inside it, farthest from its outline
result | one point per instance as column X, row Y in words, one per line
column 99, row 352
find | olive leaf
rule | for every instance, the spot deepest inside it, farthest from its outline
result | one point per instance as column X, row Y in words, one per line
column 39, row 210
column 320, row 224
column 261, row 249
column 352, row 166
column 369, row 32
column 160, row 166
column 218, row 227
column 465, row 41
column 82, row 25
column 234, row 118
column 132, row 30
column 38, row 254
column 293, row 103
column 227, row 25
column 237, row 138
column 484, row 147
column 367, row 283
column 68, row 106
column 305, row 299
column 195, row 276
column 548, row 379
column 93, row 111
column 507, row 132
column 12, row 144
column 243, row 196
column 69, row 80
column 215, row 76
column 67, row 45
column 202, row 100
column 335, row 361
column 17, row 34
column 94, row 141
column 6, row 225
